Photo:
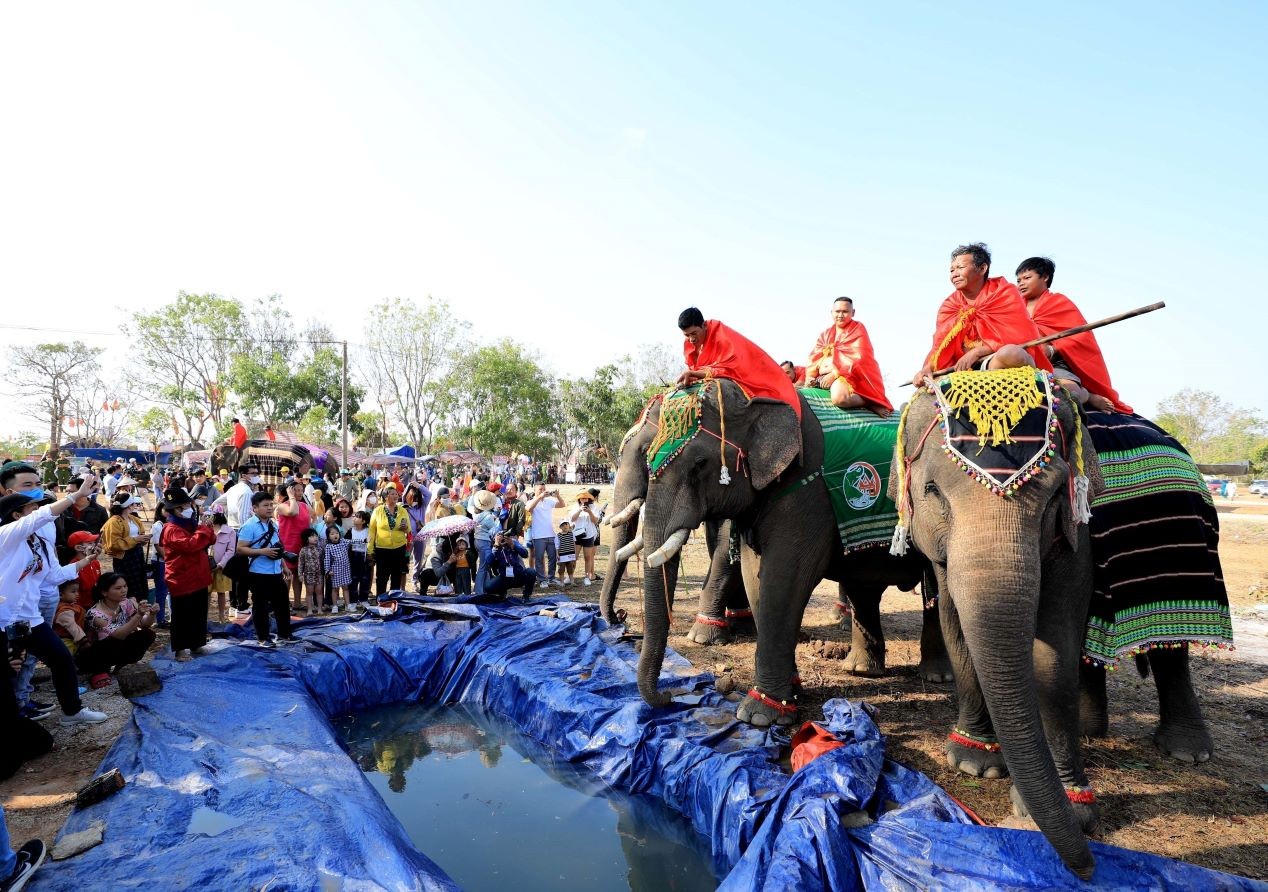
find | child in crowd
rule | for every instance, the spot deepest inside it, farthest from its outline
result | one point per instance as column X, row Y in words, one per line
column 69, row 621
column 358, row 541
column 566, row 548
column 82, row 542
column 158, row 594
column 225, row 547
column 461, row 569
column 338, row 566
column 312, row 569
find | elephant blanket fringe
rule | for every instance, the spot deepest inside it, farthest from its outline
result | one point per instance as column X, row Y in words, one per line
column 996, row 402
column 858, row 447
column 679, row 424
column 1155, row 541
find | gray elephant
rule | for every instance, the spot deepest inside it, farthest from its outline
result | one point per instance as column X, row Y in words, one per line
column 775, row 494
column 1002, row 522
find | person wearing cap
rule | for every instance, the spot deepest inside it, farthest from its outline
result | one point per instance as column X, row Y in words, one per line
column 82, row 543
column 488, row 524
column 113, row 475
column 28, row 563
column 348, row 486
column 123, row 538
column 388, row 546
column 585, row 525
column 185, row 539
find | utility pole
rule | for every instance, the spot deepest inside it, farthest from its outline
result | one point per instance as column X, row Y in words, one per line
column 343, row 396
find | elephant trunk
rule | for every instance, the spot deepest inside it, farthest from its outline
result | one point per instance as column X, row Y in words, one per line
column 669, row 549
column 658, row 598
column 623, row 516
column 997, row 605
column 626, row 535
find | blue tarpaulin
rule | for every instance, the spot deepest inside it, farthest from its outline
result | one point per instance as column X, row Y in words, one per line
column 236, row 779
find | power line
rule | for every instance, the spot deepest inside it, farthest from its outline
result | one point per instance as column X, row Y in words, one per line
column 183, row 337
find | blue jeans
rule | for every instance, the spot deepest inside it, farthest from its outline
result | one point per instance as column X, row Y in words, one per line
column 524, row 579
column 8, row 860
column 158, row 594
column 543, row 556
column 22, row 687
column 485, row 549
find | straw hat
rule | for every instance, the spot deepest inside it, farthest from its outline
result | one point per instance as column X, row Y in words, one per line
column 485, row 500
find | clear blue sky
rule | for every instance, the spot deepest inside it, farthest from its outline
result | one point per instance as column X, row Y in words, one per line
column 574, row 174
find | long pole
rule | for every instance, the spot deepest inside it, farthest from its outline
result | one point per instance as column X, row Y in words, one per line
column 1078, row 329
column 343, row 397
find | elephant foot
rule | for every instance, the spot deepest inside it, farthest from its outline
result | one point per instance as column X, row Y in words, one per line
column 936, row 669
column 708, row 631
column 975, row 756
column 1187, row 743
column 845, row 620
column 1082, row 800
column 865, row 662
column 741, row 622
column 761, row 711
column 1093, row 723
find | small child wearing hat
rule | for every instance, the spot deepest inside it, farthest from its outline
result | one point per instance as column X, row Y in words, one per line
column 566, row 548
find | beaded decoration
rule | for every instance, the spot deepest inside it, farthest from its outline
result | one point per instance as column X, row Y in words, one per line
column 781, row 706
column 680, row 415
column 964, row 738
column 1081, row 795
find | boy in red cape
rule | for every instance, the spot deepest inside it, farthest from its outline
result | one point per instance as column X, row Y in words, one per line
column 714, row 351
column 982, row 318
column 1053, row 312
column 843, row 362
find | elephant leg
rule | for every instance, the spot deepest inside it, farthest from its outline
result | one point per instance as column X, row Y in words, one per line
column 1093, row 702
column 867, row 641
column 739, row 614
column 1182, row 732
column 782, row 590
column 1057, row 649
column 935, row 662
column 971, row 746
column 711, row 625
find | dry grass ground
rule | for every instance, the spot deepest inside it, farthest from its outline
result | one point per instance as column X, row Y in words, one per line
column 1215, row 815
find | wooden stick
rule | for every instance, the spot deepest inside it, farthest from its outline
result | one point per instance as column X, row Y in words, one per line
column 1078, row 329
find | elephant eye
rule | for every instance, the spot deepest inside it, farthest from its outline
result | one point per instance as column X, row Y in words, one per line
column 931, row 489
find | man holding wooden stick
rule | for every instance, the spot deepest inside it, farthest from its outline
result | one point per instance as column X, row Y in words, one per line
column 982, row 322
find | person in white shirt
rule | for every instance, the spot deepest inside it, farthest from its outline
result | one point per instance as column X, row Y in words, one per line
column 585, row 527
column 235, row 504
column 26, row 562
column 541, row 530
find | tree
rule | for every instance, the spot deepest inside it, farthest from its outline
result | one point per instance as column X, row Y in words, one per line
column 48, row 377
column 568, row 434
column 514, row 411
column 184, row 352
column 407, row 363
column 22, row 445
column 609, row 405
column 151, row 427
column 1212, row 430
column 317, row 426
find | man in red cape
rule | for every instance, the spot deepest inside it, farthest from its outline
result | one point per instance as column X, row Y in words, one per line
column 1053, row 312
column 843, row 362
column 982, row 318
column 714, row 351
column 796, row 373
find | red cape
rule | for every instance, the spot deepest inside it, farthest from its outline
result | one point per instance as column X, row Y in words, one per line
column 725, row 353
column 850, row 352
column 1055, row 312
column 997, row 316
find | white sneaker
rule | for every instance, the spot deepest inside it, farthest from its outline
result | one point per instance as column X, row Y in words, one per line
column 338, row 608
column 586, row 581
column 232, row 613
column 85, row 716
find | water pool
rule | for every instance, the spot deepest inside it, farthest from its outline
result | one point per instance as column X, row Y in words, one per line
column 496, row 811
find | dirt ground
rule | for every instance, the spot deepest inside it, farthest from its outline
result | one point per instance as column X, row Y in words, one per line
column 1215, row 815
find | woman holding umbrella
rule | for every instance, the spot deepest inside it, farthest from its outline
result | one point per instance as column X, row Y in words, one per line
column 444, row 558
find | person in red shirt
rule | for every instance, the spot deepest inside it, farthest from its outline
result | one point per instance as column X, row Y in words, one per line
column 239, row 438
column 185, row 540
column 80, row 542
column 712, row 350
column 844, row 363
column 796, row 373
column 981, row 323
column 269, row 434
column 1054, row 312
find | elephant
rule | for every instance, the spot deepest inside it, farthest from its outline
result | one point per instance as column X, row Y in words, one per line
column 776, row 497
column 1014, row 573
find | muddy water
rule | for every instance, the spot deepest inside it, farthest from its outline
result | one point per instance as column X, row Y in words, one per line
column 495, row 811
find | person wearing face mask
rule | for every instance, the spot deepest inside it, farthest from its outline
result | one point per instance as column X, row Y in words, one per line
column 123, row 538
column 235, row 504
column 368, row 502
column 185, row 539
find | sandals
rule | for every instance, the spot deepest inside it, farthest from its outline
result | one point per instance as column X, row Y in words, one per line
column 99, row 681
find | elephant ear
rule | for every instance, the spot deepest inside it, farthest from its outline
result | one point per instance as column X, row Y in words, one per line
column 774, row 439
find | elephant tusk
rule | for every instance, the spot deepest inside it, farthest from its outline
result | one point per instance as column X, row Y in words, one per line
column 629, row 549
column 620, row 518
column 668, row 550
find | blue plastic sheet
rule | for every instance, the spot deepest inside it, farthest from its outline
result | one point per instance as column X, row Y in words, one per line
column 236, row 779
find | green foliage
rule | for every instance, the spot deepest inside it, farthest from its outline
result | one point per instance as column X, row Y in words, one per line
column 506, row 404
column 317, row 426
column 607, row 405
column 152, row 426
column 1212, row 430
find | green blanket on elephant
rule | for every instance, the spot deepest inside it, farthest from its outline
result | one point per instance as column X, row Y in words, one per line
column 858, row 449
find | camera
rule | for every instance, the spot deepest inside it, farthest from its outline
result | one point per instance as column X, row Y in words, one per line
column 16, row 635
column 290, row 556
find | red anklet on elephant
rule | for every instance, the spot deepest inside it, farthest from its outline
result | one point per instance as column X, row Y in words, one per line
column 783, row 707
column 977, row 743
column 1081, row 795
column 710, row 621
